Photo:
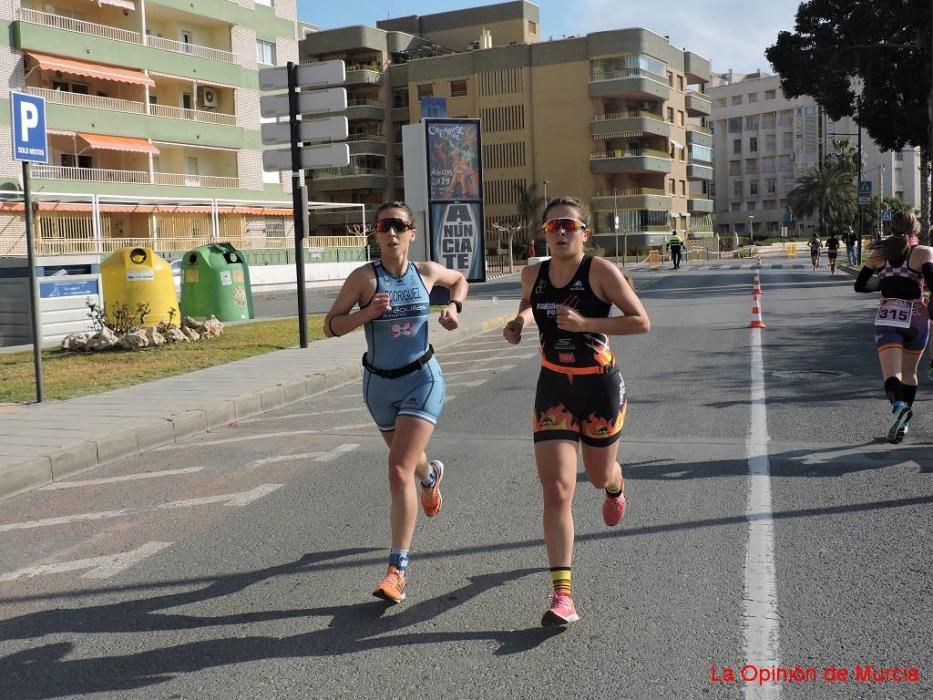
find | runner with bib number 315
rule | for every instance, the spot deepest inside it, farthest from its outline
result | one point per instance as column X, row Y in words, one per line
column 902, row 321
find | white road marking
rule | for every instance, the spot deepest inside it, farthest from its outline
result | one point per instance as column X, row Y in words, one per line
column 475, row 383
column 489, row 359
column 323, row 456
column 305, row 415
column 762, row 640
column 469, row 352
column 483, row 370
column 241, row 498
column 100, row 567
column 115, row 479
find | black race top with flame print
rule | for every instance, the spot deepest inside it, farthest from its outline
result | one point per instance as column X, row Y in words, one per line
column 565, row 350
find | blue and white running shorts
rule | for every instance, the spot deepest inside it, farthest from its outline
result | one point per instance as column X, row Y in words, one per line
column 419, row 394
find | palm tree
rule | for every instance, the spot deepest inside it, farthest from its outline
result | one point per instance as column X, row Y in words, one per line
column 527, row 206
column 827, row 190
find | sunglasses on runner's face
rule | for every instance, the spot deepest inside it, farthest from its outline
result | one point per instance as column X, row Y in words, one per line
column 565, row 225
column 398, row 225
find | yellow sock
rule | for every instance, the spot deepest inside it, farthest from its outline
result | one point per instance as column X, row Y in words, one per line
column 560, row 579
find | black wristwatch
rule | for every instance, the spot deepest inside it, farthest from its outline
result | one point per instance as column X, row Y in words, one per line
column 458, row 304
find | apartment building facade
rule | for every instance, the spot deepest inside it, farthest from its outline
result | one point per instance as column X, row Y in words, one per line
column 153, row 121
column 616, row 118
column 763, row 143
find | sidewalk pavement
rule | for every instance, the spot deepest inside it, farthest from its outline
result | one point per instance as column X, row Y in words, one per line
column 41, row 443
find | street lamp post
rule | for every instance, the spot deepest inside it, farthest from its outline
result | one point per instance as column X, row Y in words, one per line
column 547, row 247
column 751, row 228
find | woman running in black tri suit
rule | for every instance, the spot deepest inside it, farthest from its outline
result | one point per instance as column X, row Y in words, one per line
column 580, row 395
column 902, row 322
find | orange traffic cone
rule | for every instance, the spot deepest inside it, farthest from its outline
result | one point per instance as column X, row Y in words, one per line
column 756, row 312
column 756, row 288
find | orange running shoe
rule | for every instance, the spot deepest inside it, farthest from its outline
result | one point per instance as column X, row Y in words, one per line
column 392, row 587
column 431, row 498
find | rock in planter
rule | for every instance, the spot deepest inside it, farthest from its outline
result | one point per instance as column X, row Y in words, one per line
column 175, row 335
column 104, row 340
column 154, row 338
column 212, row 328
column 76, row 342
column 191, row 333
column 135, row 340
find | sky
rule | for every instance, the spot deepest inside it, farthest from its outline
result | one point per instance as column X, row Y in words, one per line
column 730, row 33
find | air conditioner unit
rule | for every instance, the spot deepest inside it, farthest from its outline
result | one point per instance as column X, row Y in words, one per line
column 207, row 97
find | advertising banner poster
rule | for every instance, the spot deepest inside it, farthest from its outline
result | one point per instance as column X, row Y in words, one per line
column 455, row 196
column 457, row 238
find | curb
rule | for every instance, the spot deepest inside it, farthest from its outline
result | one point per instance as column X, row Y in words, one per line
column 37, row 471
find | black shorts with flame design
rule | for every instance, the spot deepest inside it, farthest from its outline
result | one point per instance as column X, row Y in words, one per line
column 588, row 407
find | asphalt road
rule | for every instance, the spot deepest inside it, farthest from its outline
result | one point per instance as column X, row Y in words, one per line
column 242, row 566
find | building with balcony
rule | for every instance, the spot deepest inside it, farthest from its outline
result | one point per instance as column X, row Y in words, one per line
column 765, row 142
column 617, row 118
column 153, row 120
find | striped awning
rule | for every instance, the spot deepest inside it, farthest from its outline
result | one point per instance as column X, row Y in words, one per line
column 86, row 69
column 618, row 135
column 127, row 144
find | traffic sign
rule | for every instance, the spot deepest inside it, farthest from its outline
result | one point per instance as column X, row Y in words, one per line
column 307, row 75
column 329, row 129
column 864, row 192
column 886, row 215
column 314, row 102
column 331, row 155
column 30, row 141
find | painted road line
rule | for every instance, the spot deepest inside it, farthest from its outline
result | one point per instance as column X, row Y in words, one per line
column 474, row 384
column 762, row 640
column 241, row 498
column 489, row 359
column 115, row 479
column 469, row 352
column 312, row 414
column 483, row 370
column 100, row 567
column 323, row 456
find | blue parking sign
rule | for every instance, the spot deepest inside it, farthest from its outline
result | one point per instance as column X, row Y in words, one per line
column 30, row 141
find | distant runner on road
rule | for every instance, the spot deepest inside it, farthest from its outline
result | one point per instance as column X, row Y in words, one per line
column 902, row 322
column 402, row 382
column 815, row 245
column 832, row 251
column 580, row 395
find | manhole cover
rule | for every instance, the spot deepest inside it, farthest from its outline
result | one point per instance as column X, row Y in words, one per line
column 809, row 373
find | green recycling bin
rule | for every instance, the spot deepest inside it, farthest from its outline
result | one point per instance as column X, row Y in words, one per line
column 215, row 281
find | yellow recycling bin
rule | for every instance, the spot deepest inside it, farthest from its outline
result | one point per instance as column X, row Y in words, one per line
column 792, row 250
column 135, row 275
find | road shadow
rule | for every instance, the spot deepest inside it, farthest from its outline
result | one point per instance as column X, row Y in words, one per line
column 46, row 671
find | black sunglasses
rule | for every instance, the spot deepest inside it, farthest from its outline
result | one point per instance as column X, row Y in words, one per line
column 398, row 225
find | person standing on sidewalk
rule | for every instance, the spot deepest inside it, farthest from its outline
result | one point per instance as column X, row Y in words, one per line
column 580, row 394
column 402, row 382
column 902, row 322
column 851, row 251
column 675, row 245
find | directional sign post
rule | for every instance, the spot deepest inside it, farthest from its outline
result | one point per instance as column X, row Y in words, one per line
column 864, row 192
column 292, row 104
column 30, row 145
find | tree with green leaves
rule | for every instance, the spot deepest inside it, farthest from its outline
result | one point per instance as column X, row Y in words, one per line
column 527, row 206
column 867, row 59
column 829, row 191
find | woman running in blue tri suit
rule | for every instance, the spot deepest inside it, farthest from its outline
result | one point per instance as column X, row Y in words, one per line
column 902, row 322
column 402, row 383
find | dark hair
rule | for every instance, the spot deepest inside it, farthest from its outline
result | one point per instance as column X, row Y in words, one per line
column 904, row 223
column 567, row 202
column 395, row 205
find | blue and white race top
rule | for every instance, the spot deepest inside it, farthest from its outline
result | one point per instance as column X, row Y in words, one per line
column 400, row 335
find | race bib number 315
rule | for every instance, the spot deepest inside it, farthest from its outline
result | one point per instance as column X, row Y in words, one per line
column 894, row 313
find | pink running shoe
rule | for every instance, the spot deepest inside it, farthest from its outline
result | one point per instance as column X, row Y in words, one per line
column 614, row 509
column 561, row 612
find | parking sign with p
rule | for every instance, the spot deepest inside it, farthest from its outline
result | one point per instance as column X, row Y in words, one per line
column 30, row 141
